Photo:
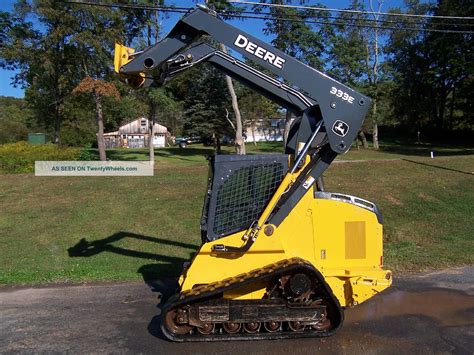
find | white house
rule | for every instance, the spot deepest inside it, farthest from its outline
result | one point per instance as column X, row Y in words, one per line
column 266, row 130
column 136, row 134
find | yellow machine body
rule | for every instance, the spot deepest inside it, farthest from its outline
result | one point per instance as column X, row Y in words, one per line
column 341, row 240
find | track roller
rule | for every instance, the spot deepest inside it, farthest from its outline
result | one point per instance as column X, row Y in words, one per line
column 206, row 328
column 232, row 327
column 296, row 326
column 272, row 326
column 252, row 327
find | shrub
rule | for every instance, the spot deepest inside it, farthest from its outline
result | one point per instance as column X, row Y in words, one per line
column 87, row 153
column 11, row 131
column 80, row 135
column 20, row 157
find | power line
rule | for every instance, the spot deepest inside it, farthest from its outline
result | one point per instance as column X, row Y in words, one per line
column 267, row 17
column 133, row 6
column 349, row 19
column 348, row 10
column 408, row 29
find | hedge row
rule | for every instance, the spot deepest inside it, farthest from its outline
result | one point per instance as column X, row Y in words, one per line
column 20, row 157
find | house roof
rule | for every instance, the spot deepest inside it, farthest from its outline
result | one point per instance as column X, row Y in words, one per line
column 136, row 127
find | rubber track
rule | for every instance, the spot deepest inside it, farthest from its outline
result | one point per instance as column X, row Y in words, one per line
column 201, row 293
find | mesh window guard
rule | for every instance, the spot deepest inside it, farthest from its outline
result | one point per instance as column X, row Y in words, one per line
column 241, row 188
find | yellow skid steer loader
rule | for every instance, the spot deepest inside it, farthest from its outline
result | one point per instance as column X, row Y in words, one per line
column 280, row 257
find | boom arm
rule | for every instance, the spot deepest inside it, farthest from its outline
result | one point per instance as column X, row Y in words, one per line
column 342, row 108
column 273, row 89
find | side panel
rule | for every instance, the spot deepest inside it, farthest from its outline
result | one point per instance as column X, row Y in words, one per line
column 346, row 236
column 348, row 249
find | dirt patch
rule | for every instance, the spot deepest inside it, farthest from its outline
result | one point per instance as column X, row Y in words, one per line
column 393, row 200
column 427, row 198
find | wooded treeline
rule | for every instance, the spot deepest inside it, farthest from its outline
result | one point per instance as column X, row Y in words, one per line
column 419, row 80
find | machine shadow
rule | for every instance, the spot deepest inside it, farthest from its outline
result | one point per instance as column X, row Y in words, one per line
column 160, row 278
column 438, row 167
column 154, row 275
column 425, row 150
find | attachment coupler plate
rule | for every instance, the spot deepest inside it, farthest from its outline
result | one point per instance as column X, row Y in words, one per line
column 124, row 55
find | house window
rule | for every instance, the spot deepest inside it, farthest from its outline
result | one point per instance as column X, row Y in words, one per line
column 124, row 136
column 143, row 123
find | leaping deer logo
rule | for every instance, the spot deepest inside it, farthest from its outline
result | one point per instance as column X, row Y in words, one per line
column 340, row 128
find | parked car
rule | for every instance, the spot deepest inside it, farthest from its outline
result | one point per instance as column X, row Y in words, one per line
column 183, row 142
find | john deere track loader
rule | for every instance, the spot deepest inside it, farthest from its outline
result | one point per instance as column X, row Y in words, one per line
column 280, row 257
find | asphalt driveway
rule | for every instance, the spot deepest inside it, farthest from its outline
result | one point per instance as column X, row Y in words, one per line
column 424, row 313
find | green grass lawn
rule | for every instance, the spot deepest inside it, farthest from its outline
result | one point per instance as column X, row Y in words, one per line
column 198, row 152
column 124, row 228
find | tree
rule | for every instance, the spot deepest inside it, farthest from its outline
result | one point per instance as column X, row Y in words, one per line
column 256, row 109
column 99, row 89
column 45, row 58
column 348, row 53
column 98, row 29
column 433, row 71
column 150, row 36
column 238, row 126
column 155, row 98
column 131, row 105
column 296, row 38
column 71, row 42
column 77, row 128
column 14, row 118
column 205, row 100
column 160, row 104
column 373, row 70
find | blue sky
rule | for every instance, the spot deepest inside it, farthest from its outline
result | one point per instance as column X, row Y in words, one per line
column 253, row 27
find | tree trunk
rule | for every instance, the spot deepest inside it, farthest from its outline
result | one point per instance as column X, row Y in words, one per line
column 375, row 136
column 56, row 91
column 363, row 139
column 57, row 125
column 100, row 126
column 375, row 127
column 152, row 122
column 451, row 109
column 375, row 72
column 239, row 140
column 252, row 127
column 217, row 143
column 218, row 147
column 287, row 126
column 442, row 107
